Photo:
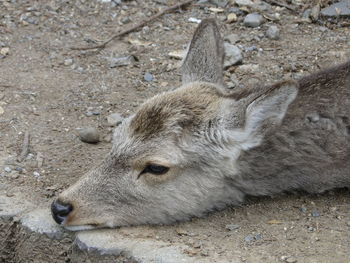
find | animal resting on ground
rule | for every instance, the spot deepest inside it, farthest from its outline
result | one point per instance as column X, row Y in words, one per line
column 202, row 147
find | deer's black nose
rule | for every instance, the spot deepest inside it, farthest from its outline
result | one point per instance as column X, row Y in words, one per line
column 60, row 210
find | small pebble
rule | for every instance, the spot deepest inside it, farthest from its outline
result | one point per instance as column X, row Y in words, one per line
column 249, row 238
column 194, row 20
column 148, row 77
column 348, row 223
column 125, row 20
column 233, row 55
column 315, row 213
column 291, row 260
column 232, row 17
column 68, row 62
column 121, row 61
column 5, row 51
column 89, row 135
column 232, row 227
column 8, row 169
column 114, row 119
column 36, row 174
column 253, row 20
column 303, row 209
column 273, row 32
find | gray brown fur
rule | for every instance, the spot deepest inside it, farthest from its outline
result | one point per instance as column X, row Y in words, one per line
column 219, row 146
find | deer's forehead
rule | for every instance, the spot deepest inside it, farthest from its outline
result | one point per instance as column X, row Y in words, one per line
column 184, row 108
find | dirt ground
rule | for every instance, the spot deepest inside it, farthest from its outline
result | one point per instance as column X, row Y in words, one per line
column 50, row 90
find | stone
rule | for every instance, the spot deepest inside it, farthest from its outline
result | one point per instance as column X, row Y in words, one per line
column 232, row 227
column 244, row 3
column 273, row 32
column 1, row 110
column 232, row 17
column 253, row 20
column 233, row 55
column 232, row 38
column 89, row 135
column 125, row 20
column 315, row 12
column 121, row 61
column 8, row 169
column 194, row 20
column 36, row 174
column 4, row 51
column 40, row 221
column 177, row 54
column 148, row 77
column 291, row 260
column 68, row 62
column 315, row 213
column 219, row 3
column 341, row 8
column 114, row 119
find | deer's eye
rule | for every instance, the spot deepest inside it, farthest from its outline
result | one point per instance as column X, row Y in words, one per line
column 155, row 169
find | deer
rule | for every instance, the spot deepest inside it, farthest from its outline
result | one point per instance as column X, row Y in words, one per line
column 202, row 147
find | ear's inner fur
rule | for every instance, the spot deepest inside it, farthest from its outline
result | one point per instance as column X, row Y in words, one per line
column 204, row 60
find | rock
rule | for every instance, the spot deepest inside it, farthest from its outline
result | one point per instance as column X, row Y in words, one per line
column 291, row 260
column 232, row 227
column 249, row 238
column 306, row 14
column 148, row 77
column 121, row 61
column 233, row 55
column 68, row 62
column 315, row 12
column 194, row 20
column 273, row 32
column 8, row 169
column 89, row 135
column 1, row 110
column 342, row 8
column 219, row 3
column 303, row 209
column 4, row 51
column 36, row 174
column 232, row 38
column 253, row 20
column 232, row 17
column 244, row 3
column 177, row 54
column 125, row 20
column 315, row 213
column 348, row 223
column 114, row 119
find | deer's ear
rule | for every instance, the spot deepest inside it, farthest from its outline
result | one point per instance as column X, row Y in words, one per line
column 205, row 56
column 268, row 110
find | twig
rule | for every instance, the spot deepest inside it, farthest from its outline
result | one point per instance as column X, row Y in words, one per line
column 278, row 3
column 25, row 147
column 137, row 26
